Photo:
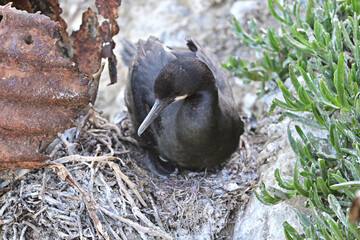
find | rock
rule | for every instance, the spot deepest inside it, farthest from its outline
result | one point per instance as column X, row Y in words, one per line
column 259, row 221
column 239, row 8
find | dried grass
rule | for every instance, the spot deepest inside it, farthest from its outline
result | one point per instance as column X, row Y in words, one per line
column 102, row 193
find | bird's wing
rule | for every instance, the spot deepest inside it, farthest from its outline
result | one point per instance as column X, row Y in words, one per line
column 128, row 51
column 145, row 66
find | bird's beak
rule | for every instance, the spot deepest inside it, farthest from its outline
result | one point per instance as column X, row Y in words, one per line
column 156, row 109
column 154, row 112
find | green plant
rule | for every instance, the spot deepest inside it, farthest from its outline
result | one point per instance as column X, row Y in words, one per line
column 319, row 51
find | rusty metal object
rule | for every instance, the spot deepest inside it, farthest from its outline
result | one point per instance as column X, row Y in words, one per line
column 108, row 29
column 108, row 8
column 87, row 44
column 50, row 8
column 92, row 42
column 41, row 92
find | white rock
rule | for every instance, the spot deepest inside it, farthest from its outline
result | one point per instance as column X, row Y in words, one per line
column 239, row 8
column 259, row 221
column 232, row 186
column 263, row 222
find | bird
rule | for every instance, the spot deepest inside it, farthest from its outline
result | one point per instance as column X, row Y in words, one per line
column 181, row 104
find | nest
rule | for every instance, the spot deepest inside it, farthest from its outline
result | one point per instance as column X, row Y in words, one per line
column 104, row 192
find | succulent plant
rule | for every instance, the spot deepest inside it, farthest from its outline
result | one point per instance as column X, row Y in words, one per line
column 318, row 50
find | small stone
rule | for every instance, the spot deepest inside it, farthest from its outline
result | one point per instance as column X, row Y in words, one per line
column 232, row 187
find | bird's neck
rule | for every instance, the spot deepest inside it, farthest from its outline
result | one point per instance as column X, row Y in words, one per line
column 202, row 107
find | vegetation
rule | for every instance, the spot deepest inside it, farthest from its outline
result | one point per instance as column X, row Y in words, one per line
column 318, row 49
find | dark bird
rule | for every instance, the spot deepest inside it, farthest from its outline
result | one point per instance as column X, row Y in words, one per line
column 182, row 106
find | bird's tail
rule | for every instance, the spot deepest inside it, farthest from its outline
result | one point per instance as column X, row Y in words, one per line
column 128, row 51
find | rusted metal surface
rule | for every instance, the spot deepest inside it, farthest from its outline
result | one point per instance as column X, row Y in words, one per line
column 92, row 42
column 50, row 8
column 87, row 44
column 41, row 92
column 108, row 8
column 108, row 29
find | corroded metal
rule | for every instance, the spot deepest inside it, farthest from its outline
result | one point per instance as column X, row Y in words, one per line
column 108, row 29
column 87, row 44
column 41, row 92
column 50, row 8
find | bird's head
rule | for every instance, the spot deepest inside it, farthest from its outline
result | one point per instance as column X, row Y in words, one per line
column 179, row 79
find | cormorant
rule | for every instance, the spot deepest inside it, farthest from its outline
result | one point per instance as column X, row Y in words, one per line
column 181, row 104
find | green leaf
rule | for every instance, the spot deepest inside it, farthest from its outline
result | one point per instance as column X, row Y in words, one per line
column 325, row 233
column 323, row 169
column 335, row 206
column 303, row 120
column 273, row 12
column 293, row 78
column 339, row 83
column 356, row 6
column 321, row 51
column 334, row 138
column 291, row 140
column 346, row 36
column 272, row 107
column 262, row 199
column 336, row 233
column 346, row 131
column 338, row 37
column 309, row 16
column 314, row 196
column 322, row 186
column 280, row 195
column 290, row 231
column 317, row 114
column 292, row 43
column 297, row 184
column 299, row 37
column 309, row 175
column 354, row 229
column 340, row 179
column 284, row 105
column 319, row 32
column 346, row 185
column 303, row 219
column 301, row 134
column 307, row 79
column 355, row 27
column 291, row 100
column 283, row 184
column 357, row 54
column 327, row 95
column 303, row 96
column 232, row 61
column 353, row 169
column 272, row 39
column 253, row 30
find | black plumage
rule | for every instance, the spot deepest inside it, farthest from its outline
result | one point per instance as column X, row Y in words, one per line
column 194, row 123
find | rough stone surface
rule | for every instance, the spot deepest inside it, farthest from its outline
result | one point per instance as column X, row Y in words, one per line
column 259, row 221
column 265, row 222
